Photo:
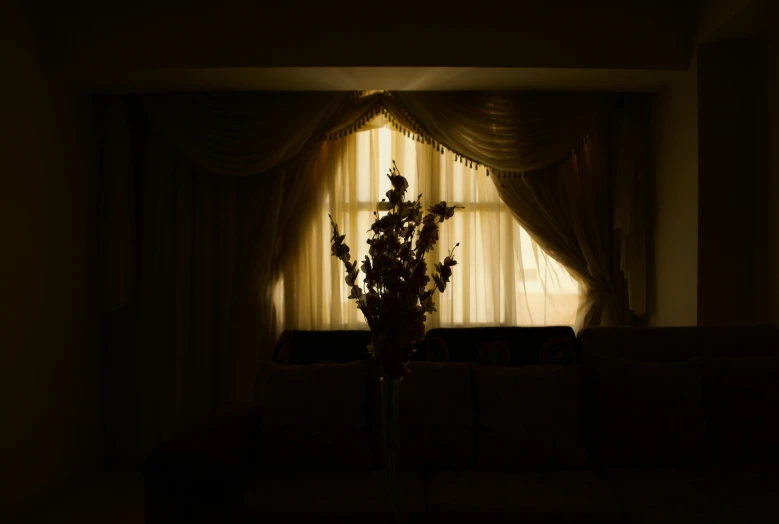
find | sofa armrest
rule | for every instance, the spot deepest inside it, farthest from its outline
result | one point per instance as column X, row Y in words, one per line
column 197, row 475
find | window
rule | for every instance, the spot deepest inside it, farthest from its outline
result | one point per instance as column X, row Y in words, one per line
column 502, row 278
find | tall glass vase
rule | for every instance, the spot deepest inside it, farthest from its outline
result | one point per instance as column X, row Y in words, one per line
column 390, row 387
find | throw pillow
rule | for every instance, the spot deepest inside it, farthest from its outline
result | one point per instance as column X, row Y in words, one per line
column 744, row 395
column 315, row 416
column 529, row 417
column 558, row 350
column 649, row 413
column 494, row 353
column 436, row 349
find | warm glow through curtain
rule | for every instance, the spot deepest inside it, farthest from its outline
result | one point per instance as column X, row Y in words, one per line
column 502, row 278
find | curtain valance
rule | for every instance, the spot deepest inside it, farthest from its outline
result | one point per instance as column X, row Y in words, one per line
column 241, row 134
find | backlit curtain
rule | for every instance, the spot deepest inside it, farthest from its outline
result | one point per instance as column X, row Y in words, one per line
column 521, row 133
column 565, row 207
column 502, row 277
column 528, row 136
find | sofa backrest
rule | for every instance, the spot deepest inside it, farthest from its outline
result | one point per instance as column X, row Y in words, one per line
column 501, row 346
column 671, row 344
column 311, row 347
column 493, row 346
column 681, row 395
column 674, row 344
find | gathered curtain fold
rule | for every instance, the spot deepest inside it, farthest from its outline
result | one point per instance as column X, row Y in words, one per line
column 565, row 209
column 198, row 235
column 192, row 252
column 206, row 264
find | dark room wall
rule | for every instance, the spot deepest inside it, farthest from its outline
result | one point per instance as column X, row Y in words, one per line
column 607, row 34
column 772, row 69
column 739, row 153
column 736, row 272
column 49, row 386
column 716, row 175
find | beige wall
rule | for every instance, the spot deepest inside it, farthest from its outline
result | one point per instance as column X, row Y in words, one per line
column 673, row 263
column 49, row 386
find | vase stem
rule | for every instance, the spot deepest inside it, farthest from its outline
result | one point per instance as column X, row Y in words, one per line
column 390, row 387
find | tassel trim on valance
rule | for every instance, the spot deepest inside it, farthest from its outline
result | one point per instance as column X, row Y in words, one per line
column 419, row 133
column 410, row 128
column 386, row 104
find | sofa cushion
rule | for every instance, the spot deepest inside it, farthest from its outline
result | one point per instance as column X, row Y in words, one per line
column 743, row 494
column 537, row 496
column 315, row 416
column 436, row 417
column 649, row 413
column 743, row 400
column 529, row 418
column 337, row 497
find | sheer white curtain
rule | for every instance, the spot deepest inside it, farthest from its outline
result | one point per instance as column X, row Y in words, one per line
column 502, row 277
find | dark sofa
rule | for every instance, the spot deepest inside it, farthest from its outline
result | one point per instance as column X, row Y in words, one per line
column 510, row 424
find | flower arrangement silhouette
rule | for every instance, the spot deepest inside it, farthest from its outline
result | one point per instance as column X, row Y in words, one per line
column 394, row 298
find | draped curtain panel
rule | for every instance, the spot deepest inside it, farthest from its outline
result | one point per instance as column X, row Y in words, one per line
column 200, row 255
column 503, row 277
column 565, row 208
column 193, row 251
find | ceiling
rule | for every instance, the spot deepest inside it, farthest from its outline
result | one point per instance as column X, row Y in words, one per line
column 370, row 78
column 594, row 45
